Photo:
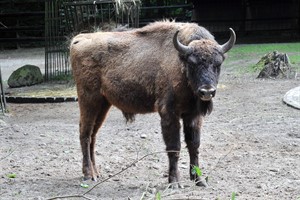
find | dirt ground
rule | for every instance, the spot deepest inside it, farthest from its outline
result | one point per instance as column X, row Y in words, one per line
column 250, row 145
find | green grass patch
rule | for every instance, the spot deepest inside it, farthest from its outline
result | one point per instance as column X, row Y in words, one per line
column 242, row 58
column 266, row 48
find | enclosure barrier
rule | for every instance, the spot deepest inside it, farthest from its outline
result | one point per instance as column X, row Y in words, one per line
column 66, row 18
column 2, row 96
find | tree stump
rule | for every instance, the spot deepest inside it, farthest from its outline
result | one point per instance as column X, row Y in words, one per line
column 275, row 65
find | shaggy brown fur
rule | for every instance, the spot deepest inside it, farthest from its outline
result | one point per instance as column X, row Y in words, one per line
column 140, row 71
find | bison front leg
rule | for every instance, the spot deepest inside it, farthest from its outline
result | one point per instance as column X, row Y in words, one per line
column 171, row 133
column 192, row 126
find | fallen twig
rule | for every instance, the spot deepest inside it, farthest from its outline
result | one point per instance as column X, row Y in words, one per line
column 70, row 196
column 221, row 158
column 11, row 151
column 105, row 180
column 144, row 193
column 130, row 165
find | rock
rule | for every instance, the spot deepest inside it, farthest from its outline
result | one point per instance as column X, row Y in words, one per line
column 275, row 65
column 274, row 170
column 292, row 97
column 26, row 75
column 184, row 166
column 3, row 123
column 259, row 186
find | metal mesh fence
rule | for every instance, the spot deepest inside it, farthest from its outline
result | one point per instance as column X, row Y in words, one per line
column 66, row 18
column 56, row 48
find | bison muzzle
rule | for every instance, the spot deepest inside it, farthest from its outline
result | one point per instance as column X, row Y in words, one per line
column 165, row 67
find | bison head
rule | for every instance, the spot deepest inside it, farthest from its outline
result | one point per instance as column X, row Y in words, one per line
column 203, row 59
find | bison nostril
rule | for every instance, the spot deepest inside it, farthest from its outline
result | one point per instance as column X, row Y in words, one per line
column 207, row 92
column 213, row 93
column 203, row 92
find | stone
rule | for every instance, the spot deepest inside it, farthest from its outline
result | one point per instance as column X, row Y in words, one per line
column 292, row 97
column 26, row 75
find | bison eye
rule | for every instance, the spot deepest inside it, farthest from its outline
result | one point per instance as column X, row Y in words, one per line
column 192, row 60
column 217, row 68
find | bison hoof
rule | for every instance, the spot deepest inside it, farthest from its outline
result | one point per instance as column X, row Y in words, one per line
column 94, row 178
column 86, row 178
column 175, row 185
column 201, row 183
column 198, row 181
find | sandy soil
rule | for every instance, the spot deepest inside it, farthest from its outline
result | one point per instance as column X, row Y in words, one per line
column 250, row 145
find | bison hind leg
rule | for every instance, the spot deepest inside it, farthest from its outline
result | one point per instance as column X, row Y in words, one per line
column 130, row 117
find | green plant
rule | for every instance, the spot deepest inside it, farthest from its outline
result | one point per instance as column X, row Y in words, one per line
column 158, row 196
column 196, row 170
column 84, row 185
column 233, row 195
column 12, row 175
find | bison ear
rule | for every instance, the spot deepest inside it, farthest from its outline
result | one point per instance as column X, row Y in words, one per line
column 181, row 48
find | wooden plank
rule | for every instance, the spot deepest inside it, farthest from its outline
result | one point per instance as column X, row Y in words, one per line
column 22, row 14
column 22, row 28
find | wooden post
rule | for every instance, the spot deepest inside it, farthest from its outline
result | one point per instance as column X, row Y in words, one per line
column 2, row 95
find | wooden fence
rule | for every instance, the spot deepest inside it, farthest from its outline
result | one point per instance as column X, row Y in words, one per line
column 255, row 20
column 22, row 22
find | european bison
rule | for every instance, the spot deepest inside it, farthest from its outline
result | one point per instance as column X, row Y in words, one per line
column 165, row 67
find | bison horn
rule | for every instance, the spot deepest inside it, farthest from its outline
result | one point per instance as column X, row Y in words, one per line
column 179, row 46
column 229, row 44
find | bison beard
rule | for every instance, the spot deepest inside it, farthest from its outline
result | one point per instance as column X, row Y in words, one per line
column 130, row 117
column 141, row 71
column 205, row 107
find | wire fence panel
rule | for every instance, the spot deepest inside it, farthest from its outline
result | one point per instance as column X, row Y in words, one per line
column 56, row 47
column 66, row 18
